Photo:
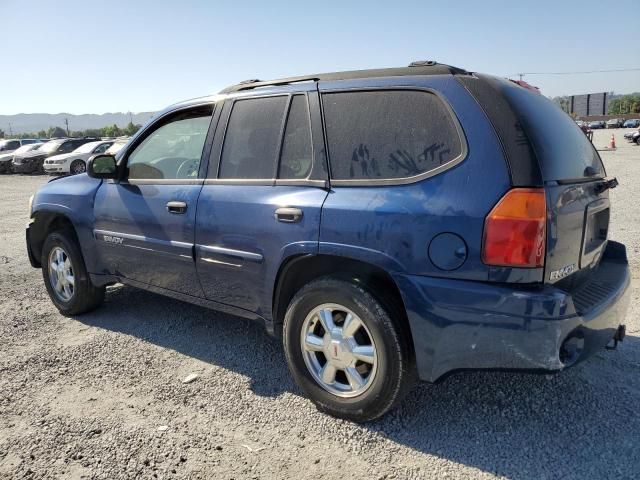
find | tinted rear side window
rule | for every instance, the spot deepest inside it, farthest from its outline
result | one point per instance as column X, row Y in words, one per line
column 251, row 142
column 562, row 149
column 377, row 135
column 296, row 156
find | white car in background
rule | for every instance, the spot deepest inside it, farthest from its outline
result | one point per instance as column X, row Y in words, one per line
column 118, row 143
column 75, row 162
column 7, row 158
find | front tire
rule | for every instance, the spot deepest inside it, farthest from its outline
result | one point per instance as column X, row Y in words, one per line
column 77, row 167
column 345, row 351
column 65, row 275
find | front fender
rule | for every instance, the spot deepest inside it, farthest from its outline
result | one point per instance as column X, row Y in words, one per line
column 73, row 199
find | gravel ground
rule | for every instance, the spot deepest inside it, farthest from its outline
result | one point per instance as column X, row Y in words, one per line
column 101, row 395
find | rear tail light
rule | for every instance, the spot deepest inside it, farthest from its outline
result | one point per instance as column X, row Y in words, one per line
column 515, row 230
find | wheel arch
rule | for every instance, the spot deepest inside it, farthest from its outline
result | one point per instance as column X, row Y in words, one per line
column 43, row 223
column 297, row 271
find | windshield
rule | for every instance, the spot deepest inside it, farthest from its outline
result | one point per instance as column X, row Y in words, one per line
column 49, row 147
column 27, row 148
column 87, row 147
column 115, row 148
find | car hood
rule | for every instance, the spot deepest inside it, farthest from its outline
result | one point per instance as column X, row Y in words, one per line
column 32, row 154
column 61, row 156
column 6, row 157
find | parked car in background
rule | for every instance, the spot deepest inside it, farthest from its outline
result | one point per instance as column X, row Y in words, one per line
column 75, row 162
column 387, row 225
column 32, row 162
column 7, row 158
column 633, row 123
column 614, row 123
column 597, row 125
column 118, row 143
column 10, row 145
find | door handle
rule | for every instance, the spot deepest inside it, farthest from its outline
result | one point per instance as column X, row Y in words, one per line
column 176, row 207
column 288, row 215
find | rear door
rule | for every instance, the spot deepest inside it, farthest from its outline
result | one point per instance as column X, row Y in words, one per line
column 145, row 223
column 262, row 200
column 573, row 173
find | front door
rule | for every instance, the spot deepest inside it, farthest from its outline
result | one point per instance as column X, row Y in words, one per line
column 262, row 201
column 145, row 222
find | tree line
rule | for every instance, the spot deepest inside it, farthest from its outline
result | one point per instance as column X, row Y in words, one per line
column 625, row 104
column 53, row 132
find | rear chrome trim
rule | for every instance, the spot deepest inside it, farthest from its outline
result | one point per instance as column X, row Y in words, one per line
column 229, row 252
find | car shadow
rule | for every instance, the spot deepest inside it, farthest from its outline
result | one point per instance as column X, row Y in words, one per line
column 582, row 422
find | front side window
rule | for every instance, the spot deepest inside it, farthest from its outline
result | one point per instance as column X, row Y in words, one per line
column 391, row 134
column 173, row 150
column 251, row 142
column 297, row 155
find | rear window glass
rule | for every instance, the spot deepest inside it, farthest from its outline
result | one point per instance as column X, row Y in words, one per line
column 563, row 150
column 388, row 134
column 251, row 142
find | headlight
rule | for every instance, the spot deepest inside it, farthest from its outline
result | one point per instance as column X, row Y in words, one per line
column 30, row 205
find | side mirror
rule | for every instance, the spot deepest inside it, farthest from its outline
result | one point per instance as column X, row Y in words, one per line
column 102, row 166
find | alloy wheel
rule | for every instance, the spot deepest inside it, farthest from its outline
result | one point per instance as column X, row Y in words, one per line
column 339, row 350
column 61, row 274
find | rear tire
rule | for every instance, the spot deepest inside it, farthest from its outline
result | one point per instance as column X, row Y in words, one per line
column 65, row 275
column 353, row 372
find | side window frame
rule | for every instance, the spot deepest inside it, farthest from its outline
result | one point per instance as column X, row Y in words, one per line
column 319, row 175
column 464, row 149
column 149, row 129
column 295, row 181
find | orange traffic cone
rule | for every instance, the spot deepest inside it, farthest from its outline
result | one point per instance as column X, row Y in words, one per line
column 612, row 144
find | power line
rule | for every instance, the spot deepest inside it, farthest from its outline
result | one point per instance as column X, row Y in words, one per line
column 581, row 72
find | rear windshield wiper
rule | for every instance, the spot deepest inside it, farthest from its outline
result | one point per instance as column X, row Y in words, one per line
column 606, row 184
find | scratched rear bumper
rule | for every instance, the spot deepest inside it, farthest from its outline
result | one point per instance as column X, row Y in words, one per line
column 460, row 325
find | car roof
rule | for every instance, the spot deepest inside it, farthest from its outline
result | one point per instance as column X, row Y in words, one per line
column 426, row 67
column 422, row 67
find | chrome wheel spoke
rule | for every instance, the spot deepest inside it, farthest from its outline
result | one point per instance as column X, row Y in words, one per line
column 70, row 280
column 326, row 319
column 328, row 373
column 314, row 343
column 355, row 379
column 351, row 325
column 364, row 353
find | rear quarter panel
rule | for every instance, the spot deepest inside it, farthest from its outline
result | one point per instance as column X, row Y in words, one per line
column 392, row 226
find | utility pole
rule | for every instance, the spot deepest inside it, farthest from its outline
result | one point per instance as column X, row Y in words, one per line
column 10, row 132
column 130, row 117
column 66, row 122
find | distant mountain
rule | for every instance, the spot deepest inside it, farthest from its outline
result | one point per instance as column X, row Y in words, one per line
column 33, row 122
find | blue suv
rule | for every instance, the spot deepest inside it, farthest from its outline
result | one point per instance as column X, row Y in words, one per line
column 389, row 225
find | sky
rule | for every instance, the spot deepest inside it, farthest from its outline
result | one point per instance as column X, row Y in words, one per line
column 89, row 56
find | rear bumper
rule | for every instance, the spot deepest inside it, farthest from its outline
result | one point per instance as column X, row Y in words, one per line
column 461, row 325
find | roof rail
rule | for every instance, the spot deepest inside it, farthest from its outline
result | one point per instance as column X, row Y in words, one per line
column 423, row 67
